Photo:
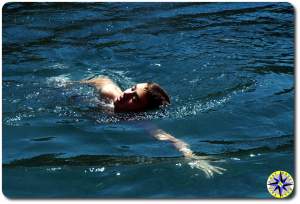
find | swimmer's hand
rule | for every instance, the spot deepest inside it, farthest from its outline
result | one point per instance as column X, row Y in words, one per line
column 203, row 163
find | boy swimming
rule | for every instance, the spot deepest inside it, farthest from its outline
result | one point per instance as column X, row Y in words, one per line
column 140, row 97
column 143, row 97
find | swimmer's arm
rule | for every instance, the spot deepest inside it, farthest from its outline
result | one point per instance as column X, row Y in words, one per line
column 159, row 134
column 99, row 82
column 200, row 162
column 105, row 86
column 180, row 145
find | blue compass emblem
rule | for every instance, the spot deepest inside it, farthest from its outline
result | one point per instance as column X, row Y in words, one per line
column 280, row 184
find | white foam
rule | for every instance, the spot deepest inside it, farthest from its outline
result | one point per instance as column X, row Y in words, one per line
column 54, row 169
column 59, row 81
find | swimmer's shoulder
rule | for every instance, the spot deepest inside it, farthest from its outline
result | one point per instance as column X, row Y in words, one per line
column 99, row 81
column 103, row 84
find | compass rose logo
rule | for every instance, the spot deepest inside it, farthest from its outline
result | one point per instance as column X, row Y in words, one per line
column 280, row 184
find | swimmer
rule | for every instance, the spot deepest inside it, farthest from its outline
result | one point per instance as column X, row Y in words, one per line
column 140, row 97
column 143, row 97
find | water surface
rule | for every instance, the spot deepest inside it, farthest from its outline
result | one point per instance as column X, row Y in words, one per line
column 228, row 68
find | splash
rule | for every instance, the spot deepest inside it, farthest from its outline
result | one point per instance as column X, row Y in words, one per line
column 59, row 81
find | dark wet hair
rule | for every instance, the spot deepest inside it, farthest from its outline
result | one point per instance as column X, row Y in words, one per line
column 156, row 96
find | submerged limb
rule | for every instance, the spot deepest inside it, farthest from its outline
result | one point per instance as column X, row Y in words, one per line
column 202, row 163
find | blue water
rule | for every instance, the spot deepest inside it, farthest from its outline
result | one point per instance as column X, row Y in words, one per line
column 228, row 68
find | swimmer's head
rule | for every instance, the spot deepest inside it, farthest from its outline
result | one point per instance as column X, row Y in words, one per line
column 141, row 97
